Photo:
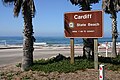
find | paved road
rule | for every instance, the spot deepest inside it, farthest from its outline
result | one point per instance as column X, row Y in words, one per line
column 11, row 56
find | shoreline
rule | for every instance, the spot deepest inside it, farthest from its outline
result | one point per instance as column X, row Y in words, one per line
column 13, row 53
column 101, row 45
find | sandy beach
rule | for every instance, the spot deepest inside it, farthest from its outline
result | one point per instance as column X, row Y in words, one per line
column 12, row 54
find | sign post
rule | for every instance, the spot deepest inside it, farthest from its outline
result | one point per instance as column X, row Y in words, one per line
column 72, row 50
column 84, row 24
column 96, row 53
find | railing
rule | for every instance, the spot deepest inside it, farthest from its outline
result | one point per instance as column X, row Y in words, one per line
column 3, row 42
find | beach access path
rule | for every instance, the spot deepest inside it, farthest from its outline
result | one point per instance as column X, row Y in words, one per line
column 14, row 55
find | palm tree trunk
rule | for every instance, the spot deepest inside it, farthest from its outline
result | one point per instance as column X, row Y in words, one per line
column 114, row 53
column 88, row 48
column 88, row 44
column 28, row 49
column 114, row 35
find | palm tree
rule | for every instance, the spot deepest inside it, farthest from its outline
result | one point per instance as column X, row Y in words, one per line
column 112, row 7
column 28, row 12
column 85, row 5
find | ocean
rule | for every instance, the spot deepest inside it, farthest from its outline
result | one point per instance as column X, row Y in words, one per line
column 48, row 40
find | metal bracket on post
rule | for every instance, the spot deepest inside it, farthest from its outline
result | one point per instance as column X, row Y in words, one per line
column 72, row 50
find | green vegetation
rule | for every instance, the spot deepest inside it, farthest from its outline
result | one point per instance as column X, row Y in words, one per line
column 63, row 64
column 110, row 63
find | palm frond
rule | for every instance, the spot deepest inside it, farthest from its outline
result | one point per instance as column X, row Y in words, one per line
column 110, row 6
column 28, row 4
column 84, row 4
column 119, row 2
column 8, row 1
column 32, row 7
column 118, row 5
column 94, row 1
column 17, row 7
column 105, row 5
column 74, row 2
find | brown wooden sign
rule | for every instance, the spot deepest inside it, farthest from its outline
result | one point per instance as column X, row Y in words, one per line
column 85, row 24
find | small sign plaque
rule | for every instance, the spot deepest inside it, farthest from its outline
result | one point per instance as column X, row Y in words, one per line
column 84, row 24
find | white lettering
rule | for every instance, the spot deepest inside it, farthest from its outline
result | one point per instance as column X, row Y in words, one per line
column 78, row 24
column 74, row 31
column 86, row 16
column 90, row 31
column 80, row 31
column 93, row 24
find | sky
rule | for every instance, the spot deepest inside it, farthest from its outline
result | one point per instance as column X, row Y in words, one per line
column 49, row 19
